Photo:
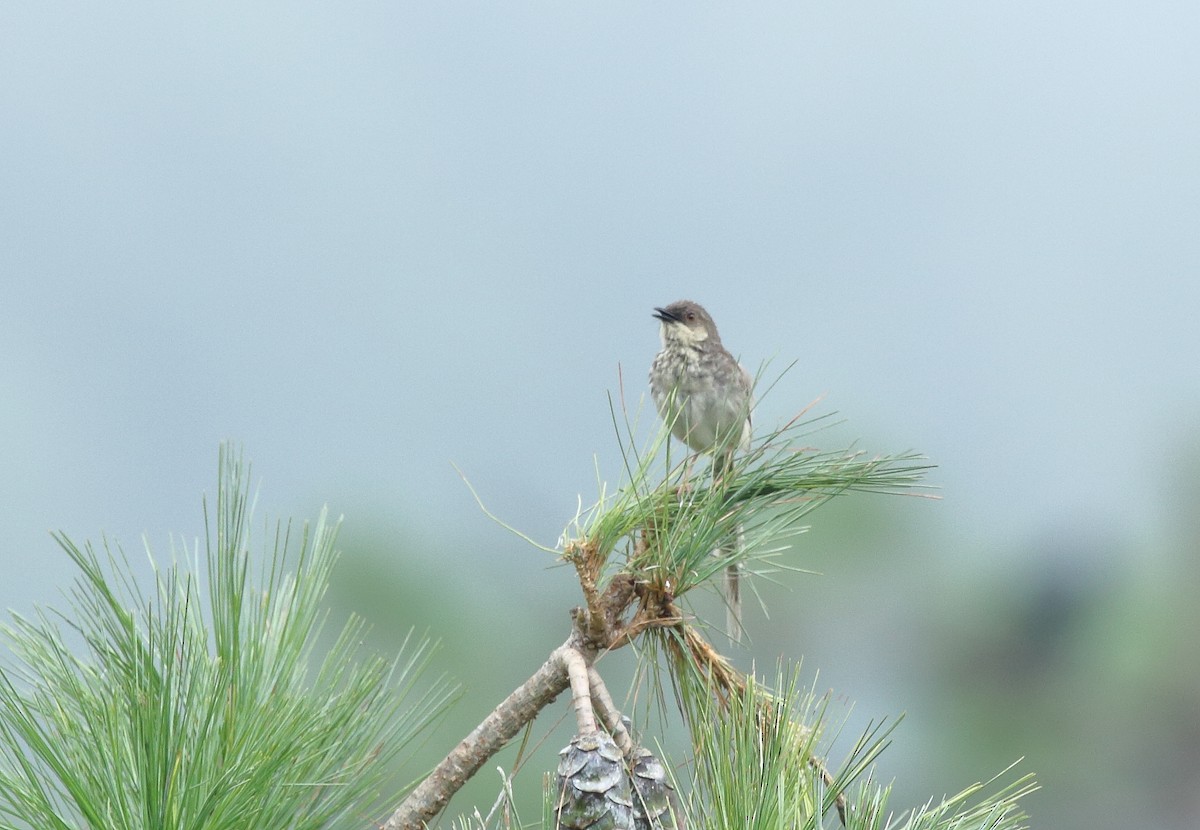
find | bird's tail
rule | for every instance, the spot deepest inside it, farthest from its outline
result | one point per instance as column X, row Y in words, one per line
column 733, row 602
column 723, row 464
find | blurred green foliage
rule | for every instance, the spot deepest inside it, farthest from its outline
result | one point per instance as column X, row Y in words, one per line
column 1072, row 651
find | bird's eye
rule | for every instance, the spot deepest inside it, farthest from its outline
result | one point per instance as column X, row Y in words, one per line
column 691, row 315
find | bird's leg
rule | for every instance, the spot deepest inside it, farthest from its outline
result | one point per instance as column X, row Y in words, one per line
column 684, row 487
column 722, row 468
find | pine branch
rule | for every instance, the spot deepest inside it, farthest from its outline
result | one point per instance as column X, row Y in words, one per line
column 669, row 533
column 176, row 712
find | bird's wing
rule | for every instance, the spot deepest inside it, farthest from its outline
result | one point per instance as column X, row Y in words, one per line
column 748, row 383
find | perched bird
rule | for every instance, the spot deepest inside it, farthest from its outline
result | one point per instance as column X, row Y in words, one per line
column 705, row 397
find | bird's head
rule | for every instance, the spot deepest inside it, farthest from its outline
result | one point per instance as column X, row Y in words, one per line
column 687, row 324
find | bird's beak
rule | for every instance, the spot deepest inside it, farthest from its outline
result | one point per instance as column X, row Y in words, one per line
column 664, row 315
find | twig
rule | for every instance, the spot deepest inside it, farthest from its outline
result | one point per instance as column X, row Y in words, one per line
column 610, row 714
column 581, row 695
column 827, row 777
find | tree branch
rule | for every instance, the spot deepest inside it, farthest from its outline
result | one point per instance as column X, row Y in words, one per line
column 489, row 737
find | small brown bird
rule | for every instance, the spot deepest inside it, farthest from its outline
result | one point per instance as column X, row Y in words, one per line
column 706, row 398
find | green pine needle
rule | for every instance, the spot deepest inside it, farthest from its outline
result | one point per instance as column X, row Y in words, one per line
column 669, row 527
column 203, row 704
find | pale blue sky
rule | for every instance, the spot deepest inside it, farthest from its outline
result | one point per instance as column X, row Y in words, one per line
column 366, row 240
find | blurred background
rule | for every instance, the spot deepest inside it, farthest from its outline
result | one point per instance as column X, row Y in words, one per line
column 368, row 241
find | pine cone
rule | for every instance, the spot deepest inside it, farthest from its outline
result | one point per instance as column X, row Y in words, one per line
column 654, row 803
column 593, row 786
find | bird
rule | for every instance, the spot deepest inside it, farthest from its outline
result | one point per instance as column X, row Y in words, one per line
column 704, row 396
